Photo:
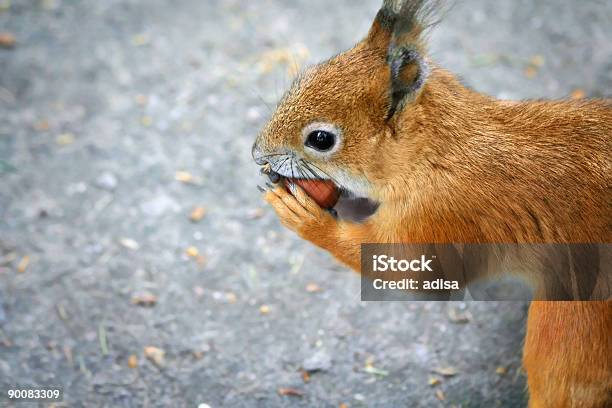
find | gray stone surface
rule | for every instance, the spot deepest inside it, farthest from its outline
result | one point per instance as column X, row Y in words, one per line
column 102, row 102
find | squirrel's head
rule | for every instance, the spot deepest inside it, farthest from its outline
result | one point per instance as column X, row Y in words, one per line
column 338, row 115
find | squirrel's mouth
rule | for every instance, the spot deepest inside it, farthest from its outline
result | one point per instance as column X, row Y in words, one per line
column 349, row 206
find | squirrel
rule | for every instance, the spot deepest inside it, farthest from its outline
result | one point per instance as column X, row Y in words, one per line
column 443, row 163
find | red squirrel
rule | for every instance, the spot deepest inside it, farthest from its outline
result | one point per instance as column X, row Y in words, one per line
column 433, row 161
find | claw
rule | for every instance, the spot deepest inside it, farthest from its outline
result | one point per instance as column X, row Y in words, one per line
column 333, row 212
column 291, row 187
column 274, row 177
column 270, row 186
column 261, row 189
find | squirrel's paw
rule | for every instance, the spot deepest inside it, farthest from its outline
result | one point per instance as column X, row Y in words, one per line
column 299, row 212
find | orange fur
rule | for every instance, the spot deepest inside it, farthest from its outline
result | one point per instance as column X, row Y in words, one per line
column 452, row 165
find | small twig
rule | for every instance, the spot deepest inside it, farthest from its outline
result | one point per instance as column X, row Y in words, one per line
column 102, row 339
column 82, row 366
column 61, row 311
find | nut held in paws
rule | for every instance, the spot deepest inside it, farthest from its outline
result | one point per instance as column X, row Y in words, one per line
column 323, row 192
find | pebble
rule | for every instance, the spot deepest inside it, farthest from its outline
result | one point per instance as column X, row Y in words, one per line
column 155, row 355
column 319, row 361
column 106, row 181
column 76, row 188
column 158, row 206
column 129, row 243
column 253, row 114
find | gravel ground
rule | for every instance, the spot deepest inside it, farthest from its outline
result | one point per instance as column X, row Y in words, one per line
column 119, row 117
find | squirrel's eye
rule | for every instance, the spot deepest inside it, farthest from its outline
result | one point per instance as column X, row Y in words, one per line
column 321, row 140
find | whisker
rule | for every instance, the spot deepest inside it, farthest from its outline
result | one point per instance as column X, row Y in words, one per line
column 308, row 164
column 268, row 156
column 316, row 186
column 280, row 167
column 315, row 175
column 268, row 106
column 309, row 170
column 302, row 171
column 312, row 173
column 256, row 94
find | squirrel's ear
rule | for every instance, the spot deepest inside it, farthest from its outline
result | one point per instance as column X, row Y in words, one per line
column 400, row 32
column 380, row 33
column 408, row 74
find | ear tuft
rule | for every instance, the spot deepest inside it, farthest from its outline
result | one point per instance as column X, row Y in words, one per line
column 406, row 49
column 416, row 16
column 398, row 32
column 382, row 28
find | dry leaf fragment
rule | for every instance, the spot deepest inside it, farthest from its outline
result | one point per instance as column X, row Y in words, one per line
column 139, row 40
column 23, row 264
column 264, row 309
column 64, row 139
column 376, row 371
column 192, row 252
column 459, row 317
column 537, row 61
column 343, row 406
column 291, row 392
column 132, row 361
column 440, row 395
column 42, row 125
column 61, row 311
column 146, row 121
column 183, row 176
column 231, row 297
column 446, row 371
column 155, row 355
column 501, row 370
column 187, row 178
column 144, row 299
column 312, row 287
column 7, row 40
column 530, row 71
column 305, row 376
column 433, row 381
column 197, row 214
